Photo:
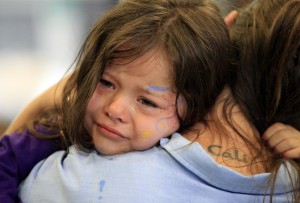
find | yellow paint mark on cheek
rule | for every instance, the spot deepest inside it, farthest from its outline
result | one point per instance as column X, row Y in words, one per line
column 146, row 134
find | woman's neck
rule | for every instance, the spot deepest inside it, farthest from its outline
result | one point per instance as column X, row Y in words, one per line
column 231, row 141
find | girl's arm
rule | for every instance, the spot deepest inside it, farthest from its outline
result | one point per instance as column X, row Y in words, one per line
column 21, row 151
column 49, row 98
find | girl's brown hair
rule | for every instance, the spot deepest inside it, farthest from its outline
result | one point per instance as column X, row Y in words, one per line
column 191, row 33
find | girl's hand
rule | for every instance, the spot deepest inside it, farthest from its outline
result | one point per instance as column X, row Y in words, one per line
column 284, row 139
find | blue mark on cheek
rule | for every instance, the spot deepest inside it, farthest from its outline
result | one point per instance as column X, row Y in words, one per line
column 159, row 89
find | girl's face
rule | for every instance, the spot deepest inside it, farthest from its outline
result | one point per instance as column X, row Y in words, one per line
column 133, row 105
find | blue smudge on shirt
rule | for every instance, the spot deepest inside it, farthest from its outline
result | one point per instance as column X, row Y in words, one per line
column 101, row 185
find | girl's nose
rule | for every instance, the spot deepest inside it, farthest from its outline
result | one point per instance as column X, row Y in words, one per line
column 117, row 108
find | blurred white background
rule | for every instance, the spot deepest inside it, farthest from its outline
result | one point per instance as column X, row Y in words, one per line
column 39, row 40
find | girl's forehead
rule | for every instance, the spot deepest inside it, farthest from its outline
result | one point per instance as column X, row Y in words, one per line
column 150, row 71
column 153, row 60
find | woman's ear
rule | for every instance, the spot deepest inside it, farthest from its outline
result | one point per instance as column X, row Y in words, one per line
column 230, row 18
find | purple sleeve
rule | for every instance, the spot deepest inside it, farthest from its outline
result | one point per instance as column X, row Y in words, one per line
column 19, row 152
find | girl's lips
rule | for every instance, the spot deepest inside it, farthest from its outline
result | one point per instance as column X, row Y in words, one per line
column 109, row 132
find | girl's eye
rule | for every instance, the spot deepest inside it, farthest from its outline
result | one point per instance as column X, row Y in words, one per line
column 148, row 103
column 106, row 84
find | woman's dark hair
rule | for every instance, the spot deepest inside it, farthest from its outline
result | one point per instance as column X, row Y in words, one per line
column 267, row 85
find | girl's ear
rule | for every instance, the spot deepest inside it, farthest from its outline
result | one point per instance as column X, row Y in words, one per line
column 230, row 18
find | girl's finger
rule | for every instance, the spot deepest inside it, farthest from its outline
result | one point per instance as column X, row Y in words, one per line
column 292, row 154
column 275, row 129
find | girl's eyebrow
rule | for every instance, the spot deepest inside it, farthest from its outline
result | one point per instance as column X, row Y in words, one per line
column 158, row 89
